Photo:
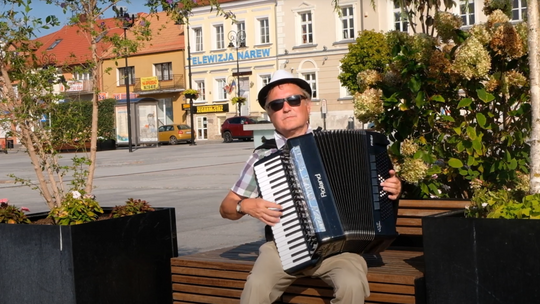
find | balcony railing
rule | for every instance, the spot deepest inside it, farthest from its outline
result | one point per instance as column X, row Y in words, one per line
column 174, row 84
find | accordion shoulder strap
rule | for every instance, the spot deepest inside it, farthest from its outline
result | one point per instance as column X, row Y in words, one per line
column 267, row 145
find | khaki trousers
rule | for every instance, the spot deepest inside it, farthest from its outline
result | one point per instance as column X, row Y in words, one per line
column 346, row 272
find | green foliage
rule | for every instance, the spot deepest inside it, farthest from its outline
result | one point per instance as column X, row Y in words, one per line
column 505, row 204
column 237, row 99
column 465, row 106
column 71, row 121
column 12, row 215
column 504, row 5
column 132, row 207
column 76, row 208
column 371, row 51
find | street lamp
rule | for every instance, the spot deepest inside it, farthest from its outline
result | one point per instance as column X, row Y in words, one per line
column 127, row 22
column 183, row 21
column 192, row 142
column 239, row 39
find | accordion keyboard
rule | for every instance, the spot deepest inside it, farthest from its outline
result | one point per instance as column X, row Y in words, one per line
column 289, row 234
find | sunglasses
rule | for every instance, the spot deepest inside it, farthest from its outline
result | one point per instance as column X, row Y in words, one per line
column 293, row 101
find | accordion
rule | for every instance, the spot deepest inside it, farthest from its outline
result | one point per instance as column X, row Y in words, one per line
column 328, row 184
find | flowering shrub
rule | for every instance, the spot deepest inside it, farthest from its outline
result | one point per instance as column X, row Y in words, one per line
column 455, row 107
column 76, row 208
column 131, row 207
column 12, row 215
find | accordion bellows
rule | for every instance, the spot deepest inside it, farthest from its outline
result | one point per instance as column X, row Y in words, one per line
column 328, row 183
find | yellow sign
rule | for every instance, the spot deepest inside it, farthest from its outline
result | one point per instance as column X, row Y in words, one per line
column 218, row 108
column 149, row 83
column 185, row 106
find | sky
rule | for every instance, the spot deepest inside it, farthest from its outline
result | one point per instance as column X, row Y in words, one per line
column 42, row 10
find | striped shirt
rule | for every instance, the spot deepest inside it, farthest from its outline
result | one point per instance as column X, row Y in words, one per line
column 246, row 186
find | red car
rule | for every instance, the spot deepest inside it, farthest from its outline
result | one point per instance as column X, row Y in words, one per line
column 233, row 128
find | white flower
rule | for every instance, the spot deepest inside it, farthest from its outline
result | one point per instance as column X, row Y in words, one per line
column 76, row 194
column 484, row 205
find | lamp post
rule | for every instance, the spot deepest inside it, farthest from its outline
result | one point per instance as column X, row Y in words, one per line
column 239, row 39
column 191, row 109
column 127, row 22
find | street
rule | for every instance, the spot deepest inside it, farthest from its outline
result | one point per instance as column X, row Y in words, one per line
column 192, row 179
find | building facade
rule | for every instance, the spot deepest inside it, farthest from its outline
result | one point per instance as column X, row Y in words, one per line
column 230, row 59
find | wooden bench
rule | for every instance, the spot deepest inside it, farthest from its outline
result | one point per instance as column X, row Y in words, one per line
column 218, row 276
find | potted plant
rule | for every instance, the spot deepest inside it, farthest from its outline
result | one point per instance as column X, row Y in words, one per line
column 238, row 100
column 80, row 253
column 457, row 108
column 487, row 253
column 191, row 94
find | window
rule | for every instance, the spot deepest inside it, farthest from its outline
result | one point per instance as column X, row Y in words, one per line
column 198, row 39
column 264, row 29
column 265, row 79
column 519, row 10
column 220, row 37
column 130, row 75
column 347, row 21
column 82, row 75
column 240, row 26
column 400, row 19
column 466, row 11
column 221, row 91
column 306, row 24
column 163, row 71
column 200, row 86
column 54, row 44
column 312, row 80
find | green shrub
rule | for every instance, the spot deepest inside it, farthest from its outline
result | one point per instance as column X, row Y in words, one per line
column 458, row 114
column 72, row 121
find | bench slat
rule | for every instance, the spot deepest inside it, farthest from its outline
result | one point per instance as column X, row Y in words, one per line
column 421, row 212
column 444, row 204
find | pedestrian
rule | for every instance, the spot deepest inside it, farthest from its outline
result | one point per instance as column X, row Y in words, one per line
column 287, row 101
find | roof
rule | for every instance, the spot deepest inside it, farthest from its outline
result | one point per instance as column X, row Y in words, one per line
column 74, row 45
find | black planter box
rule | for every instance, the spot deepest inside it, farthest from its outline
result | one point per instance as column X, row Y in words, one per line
column 481, row 260
column 123, row 260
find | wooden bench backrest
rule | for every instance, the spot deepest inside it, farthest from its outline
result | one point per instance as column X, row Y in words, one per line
column 410, row 212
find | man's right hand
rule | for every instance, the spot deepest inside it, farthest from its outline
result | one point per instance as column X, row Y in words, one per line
column 267, row 212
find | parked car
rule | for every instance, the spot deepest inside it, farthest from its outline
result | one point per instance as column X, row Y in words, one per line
column 233, row 128
column 174, row 134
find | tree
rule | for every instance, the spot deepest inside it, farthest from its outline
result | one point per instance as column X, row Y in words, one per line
column 27, row 86
column 370, row 52
column 534, row 63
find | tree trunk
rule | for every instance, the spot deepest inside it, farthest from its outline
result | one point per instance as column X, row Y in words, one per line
column 534, row 64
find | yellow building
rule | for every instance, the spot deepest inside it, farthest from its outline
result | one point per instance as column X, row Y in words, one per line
column 155, row 71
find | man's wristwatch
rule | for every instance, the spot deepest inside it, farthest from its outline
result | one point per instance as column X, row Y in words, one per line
column 239, row 207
